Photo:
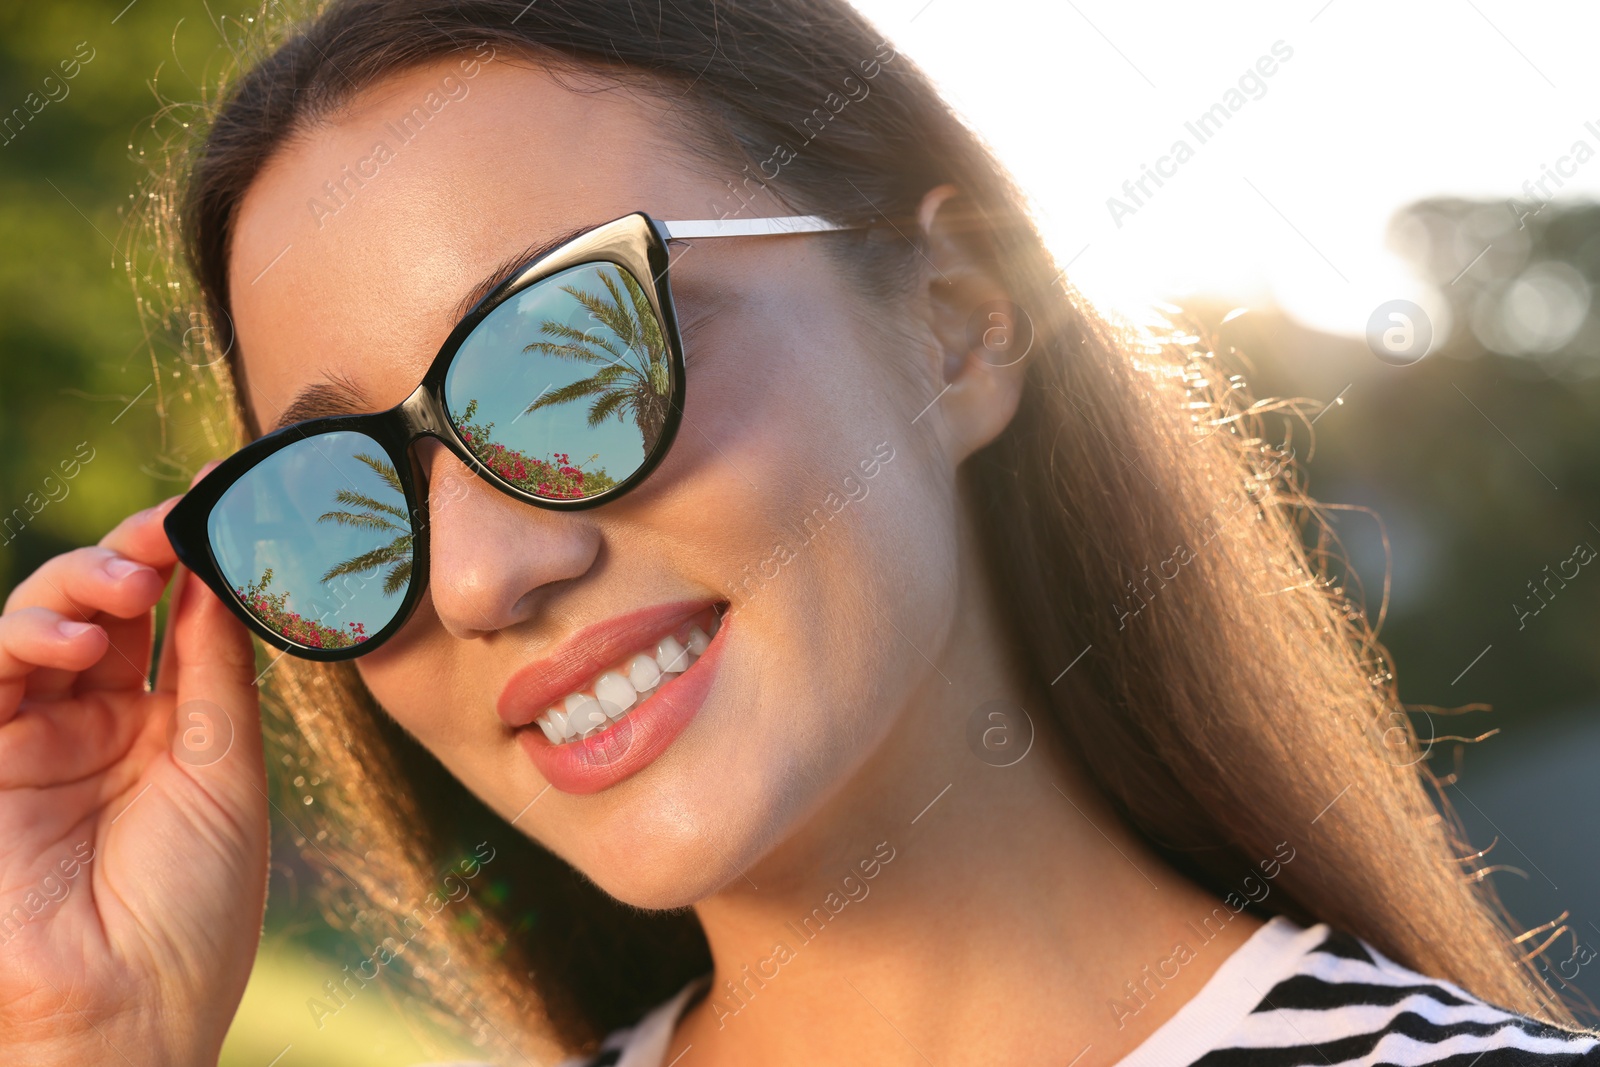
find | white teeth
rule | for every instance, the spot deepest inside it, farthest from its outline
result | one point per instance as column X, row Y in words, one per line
column 643, row 673
column 612, row 688
column 672, row 656
column 583, row 713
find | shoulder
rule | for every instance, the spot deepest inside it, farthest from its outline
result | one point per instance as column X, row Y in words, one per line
column 1343, row 1002
column 644, row 1044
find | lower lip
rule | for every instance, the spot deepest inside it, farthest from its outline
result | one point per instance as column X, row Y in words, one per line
column 633, row 742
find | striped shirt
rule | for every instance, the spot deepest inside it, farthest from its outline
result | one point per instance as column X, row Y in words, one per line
column 1289, row 996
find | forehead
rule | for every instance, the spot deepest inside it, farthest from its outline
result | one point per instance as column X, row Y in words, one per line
column 357, row 241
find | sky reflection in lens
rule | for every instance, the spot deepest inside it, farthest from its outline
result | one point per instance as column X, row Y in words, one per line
column 563, row 389
column 316, row 540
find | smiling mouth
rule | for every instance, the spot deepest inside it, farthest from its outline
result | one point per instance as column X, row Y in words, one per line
column 608, row 697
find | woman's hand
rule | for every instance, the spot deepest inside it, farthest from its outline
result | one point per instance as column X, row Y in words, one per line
column 133, row 821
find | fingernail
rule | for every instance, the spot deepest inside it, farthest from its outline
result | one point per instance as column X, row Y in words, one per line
column 120, row 568
column 69, row 628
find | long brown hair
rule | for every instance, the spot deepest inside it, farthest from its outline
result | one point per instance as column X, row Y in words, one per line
column 1229, row 699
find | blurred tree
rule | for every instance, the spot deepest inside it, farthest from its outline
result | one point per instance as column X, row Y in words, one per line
column 76, row 367
column 1480, row 459
column 89, row 387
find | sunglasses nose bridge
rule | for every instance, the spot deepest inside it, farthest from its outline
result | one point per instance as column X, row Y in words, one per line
column 423, row 413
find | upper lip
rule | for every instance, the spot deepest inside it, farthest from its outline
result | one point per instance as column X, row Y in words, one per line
column 533, row 689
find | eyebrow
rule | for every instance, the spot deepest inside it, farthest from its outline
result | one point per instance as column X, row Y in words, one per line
column 340, row 396
column 511, row 267
column 335, row 396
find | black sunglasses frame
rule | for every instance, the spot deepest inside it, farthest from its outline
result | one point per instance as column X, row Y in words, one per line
column 636, row 242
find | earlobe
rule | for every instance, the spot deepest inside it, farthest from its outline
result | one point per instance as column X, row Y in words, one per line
column 983, row 337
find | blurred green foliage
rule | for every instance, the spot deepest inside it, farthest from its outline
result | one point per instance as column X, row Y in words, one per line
column 76, row 367
column 81, row 383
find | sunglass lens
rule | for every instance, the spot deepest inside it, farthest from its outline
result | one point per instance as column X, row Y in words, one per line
column 316, row 540
column 563, row 390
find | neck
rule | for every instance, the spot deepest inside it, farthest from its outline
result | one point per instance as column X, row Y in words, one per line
column 944, row 908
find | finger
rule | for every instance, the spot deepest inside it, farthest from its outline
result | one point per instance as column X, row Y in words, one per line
column 167, row 666
column 126, row 665
column 115, row 584
column 48, row 743
column 141, row 535
column 214, row 677
column 167, row 669
column 217, row 647
column 98, row 585
column 88, row 581
column 37, row 641
column 139, row 538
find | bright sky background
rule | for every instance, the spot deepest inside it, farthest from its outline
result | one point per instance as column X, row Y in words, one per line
column 1381, row 104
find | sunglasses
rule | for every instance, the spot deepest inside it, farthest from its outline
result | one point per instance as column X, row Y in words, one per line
column 563, row 388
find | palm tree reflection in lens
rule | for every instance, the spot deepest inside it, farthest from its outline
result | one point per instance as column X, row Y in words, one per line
column 396, row 555
column 376, row 515
column 633, row 381
column 622, row 388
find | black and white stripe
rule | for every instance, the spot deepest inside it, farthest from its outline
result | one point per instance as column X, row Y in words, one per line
column 1288, row 997
column 1346, row 1005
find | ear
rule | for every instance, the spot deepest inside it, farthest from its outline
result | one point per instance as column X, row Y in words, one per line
column 982, row 336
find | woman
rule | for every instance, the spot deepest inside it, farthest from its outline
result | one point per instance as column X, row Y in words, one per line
column 847, row 646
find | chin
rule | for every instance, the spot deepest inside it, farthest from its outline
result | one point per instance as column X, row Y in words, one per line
column 663, row 877
column 674, row 845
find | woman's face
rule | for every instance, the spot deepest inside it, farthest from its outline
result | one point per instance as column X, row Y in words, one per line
column 799, row 500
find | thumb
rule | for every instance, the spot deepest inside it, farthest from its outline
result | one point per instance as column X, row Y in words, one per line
column 216, row 731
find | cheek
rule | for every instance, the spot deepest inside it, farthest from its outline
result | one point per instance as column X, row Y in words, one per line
column 839, row 578
column 437, row 696
column 778, row 430
column 396, row 681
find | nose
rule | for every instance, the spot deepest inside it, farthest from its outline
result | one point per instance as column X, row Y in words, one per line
column 492, row 559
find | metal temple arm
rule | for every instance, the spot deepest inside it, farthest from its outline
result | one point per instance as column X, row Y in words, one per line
column 754, row 227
